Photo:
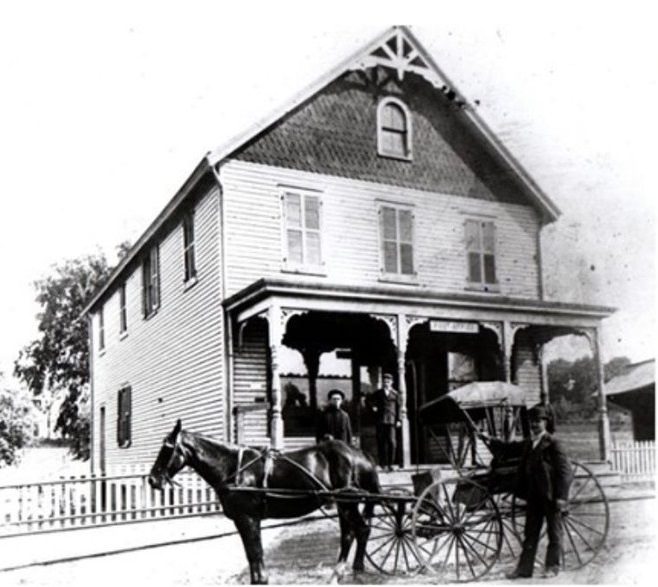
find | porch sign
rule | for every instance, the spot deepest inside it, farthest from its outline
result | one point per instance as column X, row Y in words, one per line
column 450, row 326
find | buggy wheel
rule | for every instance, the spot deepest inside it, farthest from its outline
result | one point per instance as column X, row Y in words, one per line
column 585, row 523
column 512, row 523
column 457, row 529
column 390, row 544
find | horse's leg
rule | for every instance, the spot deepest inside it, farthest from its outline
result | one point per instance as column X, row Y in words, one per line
column 346, row 539
column 249, row 529
column 362, row 531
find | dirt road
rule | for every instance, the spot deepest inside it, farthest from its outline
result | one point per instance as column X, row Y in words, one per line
column 305, row 555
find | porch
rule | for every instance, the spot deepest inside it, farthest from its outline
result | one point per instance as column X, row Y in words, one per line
column 431, row 342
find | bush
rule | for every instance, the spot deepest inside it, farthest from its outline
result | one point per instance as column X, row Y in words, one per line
column 16, row 423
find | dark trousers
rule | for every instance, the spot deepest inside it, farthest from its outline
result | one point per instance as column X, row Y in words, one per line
column 386, row 444
column 535, row 514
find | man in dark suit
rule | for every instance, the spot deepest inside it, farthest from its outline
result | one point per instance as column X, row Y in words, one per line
column 333, row 421
column 544, row 476
column 385, row 402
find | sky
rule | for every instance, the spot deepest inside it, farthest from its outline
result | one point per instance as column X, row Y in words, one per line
column 104, row 112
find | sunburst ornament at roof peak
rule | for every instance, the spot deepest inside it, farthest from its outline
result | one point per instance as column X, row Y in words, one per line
column 399, row 51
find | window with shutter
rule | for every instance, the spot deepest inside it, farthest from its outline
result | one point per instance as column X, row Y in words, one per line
column 151, row 282
column 393, row 129
column 480, row 239
column 101, row 329
column 396, row 229
column 302, row 230
column 124, row 416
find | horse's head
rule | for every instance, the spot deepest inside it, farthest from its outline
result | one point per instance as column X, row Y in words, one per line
column 171, row 459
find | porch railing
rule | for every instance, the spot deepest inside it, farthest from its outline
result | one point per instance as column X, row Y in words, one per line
column 83, row 502
column 634, row 460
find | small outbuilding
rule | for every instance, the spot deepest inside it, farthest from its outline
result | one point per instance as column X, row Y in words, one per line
column 635, row 390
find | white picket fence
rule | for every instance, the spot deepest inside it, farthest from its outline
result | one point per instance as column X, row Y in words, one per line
column 634, row 460
column 82, row 502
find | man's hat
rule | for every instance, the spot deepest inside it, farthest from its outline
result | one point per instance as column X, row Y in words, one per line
column 333, row 392
column 538, row 413
column 388, row 376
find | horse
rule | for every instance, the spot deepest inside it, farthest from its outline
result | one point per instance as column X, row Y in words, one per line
column 245, row 481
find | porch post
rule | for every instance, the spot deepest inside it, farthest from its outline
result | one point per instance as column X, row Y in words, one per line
column 604, row 422
column 402, row 335
column 274, row 319
column 507, row 344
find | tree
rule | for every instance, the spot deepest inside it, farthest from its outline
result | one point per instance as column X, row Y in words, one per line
column 16, row 421
column 59, row 358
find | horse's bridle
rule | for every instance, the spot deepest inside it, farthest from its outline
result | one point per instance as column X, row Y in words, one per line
column 171, row 446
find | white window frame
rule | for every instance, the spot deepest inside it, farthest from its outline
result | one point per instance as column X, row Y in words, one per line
column 123, row 309
column 398, row 276
column 481, row 284
column 189, row 247
column 381, row 148
column 304, row 266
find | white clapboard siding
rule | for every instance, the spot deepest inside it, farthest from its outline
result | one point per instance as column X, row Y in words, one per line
column 250, row 384
column 350, row 231
column 173, row 361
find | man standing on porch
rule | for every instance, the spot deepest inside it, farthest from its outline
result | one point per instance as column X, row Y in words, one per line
column 385, row 403
column 333, row 421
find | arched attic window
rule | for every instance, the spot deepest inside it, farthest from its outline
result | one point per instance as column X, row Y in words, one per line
column 394, row 129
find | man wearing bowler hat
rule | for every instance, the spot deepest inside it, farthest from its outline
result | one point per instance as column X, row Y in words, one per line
column 385, row 402
column 544, row 476
column 333, row 421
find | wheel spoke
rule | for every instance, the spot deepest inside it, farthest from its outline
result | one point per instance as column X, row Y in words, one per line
column 448, row 504
column 397, row 554
column 575, row 520
column 473, row 550
column 570, row 525
column 388, row 553
column 382, row 545
column 573, row 545
column 460, row 539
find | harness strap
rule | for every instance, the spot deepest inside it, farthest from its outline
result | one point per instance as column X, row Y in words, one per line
column 238, row 466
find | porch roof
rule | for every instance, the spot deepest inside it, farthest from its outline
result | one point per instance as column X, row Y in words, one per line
column 315, row 295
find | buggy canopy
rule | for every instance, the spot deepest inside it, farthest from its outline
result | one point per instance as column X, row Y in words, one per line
column 473, row 397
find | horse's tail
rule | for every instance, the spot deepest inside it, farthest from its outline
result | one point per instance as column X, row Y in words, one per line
column 367, row 479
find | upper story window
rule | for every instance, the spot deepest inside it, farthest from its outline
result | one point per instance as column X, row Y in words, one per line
column 393, row 129
column 481, row 253
column 124, row 417
column 151, row 282
column 101, row 329
column 189, row 246
column 302, row 228
column 397, row 239
column 123, row 312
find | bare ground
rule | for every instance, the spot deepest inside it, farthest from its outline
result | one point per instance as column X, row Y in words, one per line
column 305, row 554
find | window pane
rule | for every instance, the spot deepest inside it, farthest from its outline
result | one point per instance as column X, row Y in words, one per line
column 488, row 238
column 474, row 271
column 393, row 117
column 389, row 224
column 312, row 212
column 293, row 210
column 313, row 254
column 406, row 259
column 295, row 254
column 489, row 269
column 394, row 143
column 472, row 236
column 406, row 233
column 390, row 257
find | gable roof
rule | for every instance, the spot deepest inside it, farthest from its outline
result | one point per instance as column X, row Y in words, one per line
column 398, row 49
column 635, row 377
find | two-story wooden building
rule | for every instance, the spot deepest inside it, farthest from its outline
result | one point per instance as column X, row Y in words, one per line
column 375, row 221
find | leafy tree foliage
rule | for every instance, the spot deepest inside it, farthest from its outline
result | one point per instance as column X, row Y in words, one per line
column 573, row 384
column 16, row 423
column 59, row 358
